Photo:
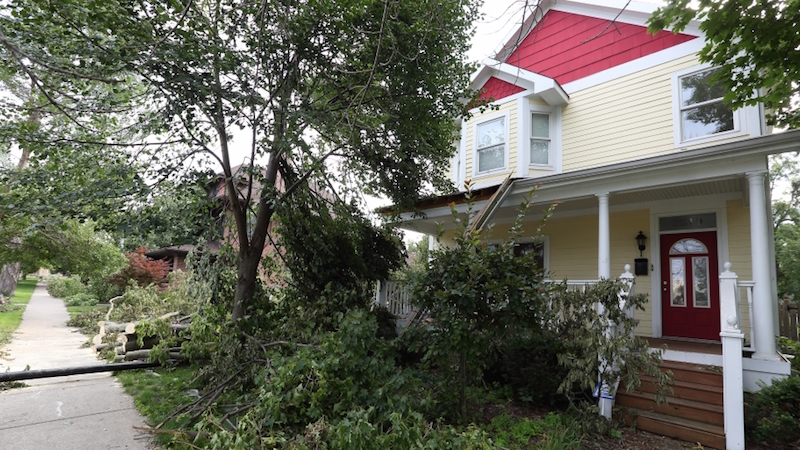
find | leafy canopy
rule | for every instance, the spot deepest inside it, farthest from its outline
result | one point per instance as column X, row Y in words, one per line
column 755, row 44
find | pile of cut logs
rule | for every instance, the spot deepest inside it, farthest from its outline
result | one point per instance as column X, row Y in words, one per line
column 127, row 347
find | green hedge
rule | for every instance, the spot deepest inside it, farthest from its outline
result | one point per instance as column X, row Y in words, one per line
column 65, row 287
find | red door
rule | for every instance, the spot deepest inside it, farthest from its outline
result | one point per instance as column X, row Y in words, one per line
column 690, row 285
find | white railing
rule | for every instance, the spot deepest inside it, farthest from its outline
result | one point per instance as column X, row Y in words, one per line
column 576, row 285
column 394, row 295
column 747, row 327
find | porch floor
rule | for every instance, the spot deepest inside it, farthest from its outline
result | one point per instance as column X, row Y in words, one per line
column 711, row 348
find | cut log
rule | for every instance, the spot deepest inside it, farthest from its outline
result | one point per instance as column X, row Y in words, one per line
column 111, row 327
column 133, row 344
column 97, row 339
column 100, row 347
column 131, row 327
column 170, row 315
column 174, row 353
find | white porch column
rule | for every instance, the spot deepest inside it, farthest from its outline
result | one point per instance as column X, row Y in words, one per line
column 763, row 322
column 732, row 341
column 603, row 238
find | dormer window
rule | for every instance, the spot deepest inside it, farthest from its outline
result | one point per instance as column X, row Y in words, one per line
column 490, row 144
column 702, row 110
column 540, row 139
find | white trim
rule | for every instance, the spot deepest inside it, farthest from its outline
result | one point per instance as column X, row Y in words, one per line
column 634, row 13
column 746, row 121
column 455, row 162
column 462, row 154
column 506, row 153
column 637, row 65
column 546, row 88
column 522, row 168
column 524, row 165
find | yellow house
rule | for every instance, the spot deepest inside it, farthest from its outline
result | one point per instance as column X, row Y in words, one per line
column 628, row 135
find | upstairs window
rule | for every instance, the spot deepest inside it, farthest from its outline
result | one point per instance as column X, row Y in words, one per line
column 540, row 139
column 491, row 145
column 702, row 111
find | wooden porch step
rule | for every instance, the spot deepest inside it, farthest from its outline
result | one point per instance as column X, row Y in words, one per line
column 685, row 389
column 709, row 436
column 694, row 373
column 677, row 407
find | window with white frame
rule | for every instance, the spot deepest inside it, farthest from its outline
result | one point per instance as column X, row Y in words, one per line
column 539, row 134
column 702, row 112
column 540, row 139
column 491, row 145
column 537, row 246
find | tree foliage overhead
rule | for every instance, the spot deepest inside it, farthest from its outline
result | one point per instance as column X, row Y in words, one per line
column 786, row 222
column 755, row 44
column 374, row 84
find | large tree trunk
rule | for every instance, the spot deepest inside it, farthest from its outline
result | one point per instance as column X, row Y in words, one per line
column 8, row 279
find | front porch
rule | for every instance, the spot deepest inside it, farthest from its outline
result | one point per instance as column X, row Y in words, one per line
column 395, row 297
column 710, row 377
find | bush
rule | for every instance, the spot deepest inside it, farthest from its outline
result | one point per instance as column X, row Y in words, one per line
column 791, row 347
column 773, row 414
column 83, row 299
column 104, row 291
column 64, row 287
column 529, row 364
column 344, row 391
column 142, row 270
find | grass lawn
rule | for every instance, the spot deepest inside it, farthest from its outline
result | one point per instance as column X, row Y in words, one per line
column 11, row 314
column 157, row 393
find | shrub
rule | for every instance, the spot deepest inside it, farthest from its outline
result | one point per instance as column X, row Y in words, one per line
column 104, row 291
column 142, row 270
column 83, row 299
column 791, row 347
column 773, row 414
column 344, row 391
column 490, row 307
column 64, row 287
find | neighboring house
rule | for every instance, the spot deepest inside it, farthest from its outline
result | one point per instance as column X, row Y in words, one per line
column 625, row 132
column 175, row 255
column 223, row 219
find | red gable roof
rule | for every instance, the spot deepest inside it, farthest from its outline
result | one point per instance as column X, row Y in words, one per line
column 495, row 88
column 559, row 46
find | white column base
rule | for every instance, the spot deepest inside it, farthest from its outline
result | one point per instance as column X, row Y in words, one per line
column 733, row 389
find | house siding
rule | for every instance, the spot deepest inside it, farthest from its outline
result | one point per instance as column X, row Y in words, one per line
column 573, row 251
column 625, row 119
column 567, row 46
column 739, row 251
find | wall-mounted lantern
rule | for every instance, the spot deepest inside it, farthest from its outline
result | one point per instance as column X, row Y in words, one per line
column 640, row 266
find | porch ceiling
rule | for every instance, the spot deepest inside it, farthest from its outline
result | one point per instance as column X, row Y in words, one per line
column 733, row 184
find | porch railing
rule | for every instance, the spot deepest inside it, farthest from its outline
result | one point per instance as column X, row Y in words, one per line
column 745, row 296
column 395, row 296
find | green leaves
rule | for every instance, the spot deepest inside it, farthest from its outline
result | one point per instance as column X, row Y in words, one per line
column 755, row 45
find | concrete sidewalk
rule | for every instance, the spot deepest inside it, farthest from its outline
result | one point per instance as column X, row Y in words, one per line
column 77, row 412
